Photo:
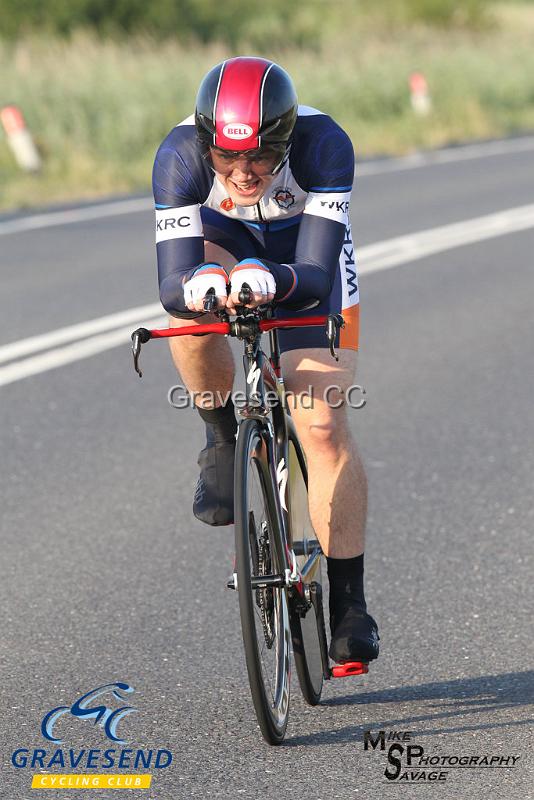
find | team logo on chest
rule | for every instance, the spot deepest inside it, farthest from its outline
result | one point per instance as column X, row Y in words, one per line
column 227, row 204
column 283, row 197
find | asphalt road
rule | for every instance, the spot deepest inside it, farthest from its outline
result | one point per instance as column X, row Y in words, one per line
column 106, row 576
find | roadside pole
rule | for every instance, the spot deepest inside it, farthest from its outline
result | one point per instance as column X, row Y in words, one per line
column 20, row 139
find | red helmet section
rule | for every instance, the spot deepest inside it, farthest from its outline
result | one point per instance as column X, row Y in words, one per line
column 238, row 103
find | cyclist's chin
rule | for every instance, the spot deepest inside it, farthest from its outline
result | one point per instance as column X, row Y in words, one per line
column 246, row 195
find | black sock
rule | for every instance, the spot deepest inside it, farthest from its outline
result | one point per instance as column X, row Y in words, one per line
column 345, row 576
column 221, row 424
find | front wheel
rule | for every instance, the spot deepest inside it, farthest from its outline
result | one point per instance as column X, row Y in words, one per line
column 263, row 609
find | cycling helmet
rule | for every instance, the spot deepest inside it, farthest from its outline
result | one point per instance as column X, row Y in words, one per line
column 246, row 103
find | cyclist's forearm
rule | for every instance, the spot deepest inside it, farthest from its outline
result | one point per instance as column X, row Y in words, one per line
column 300, row 281
column 313, row 272
column 177, row 261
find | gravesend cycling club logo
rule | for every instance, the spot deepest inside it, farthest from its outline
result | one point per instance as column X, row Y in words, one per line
column 105, row 708
column 108, row 718
column 411, row 763
column 283, row 197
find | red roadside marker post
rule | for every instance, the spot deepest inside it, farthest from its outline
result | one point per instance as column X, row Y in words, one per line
column 420, row 94
column 20, row 139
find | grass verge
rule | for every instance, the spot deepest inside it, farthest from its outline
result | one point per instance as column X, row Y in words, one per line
column 98, row 109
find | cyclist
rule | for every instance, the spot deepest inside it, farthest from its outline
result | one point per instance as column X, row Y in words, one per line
column 254, row 189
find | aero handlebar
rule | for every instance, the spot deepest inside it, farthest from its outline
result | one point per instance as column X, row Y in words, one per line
column 248, row 324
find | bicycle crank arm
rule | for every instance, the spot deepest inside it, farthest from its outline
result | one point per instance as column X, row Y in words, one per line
column 338, row 670
column 316, row 598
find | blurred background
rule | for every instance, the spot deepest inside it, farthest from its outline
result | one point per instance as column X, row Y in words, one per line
column 99, row 84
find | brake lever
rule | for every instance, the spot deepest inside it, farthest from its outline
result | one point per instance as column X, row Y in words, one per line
column 333, row 324
column 139, row 337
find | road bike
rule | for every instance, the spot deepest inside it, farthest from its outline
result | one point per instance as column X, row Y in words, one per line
column 278, row 559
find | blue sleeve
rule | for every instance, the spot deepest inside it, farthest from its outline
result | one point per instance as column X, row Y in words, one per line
column 312, row 274
column 181, row 181
column 323, row 166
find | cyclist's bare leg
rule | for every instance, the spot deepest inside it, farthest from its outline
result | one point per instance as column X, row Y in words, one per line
column 337, row 496
column 337, row 481
column 206, row 366
column 205, row 363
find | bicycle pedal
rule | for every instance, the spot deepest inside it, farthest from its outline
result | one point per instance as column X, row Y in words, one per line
column 350, row 668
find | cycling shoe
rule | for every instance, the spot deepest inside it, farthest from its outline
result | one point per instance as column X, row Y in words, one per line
column 214, row 494
column 354, row 635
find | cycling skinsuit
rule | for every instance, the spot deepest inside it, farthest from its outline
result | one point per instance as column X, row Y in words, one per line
column 299, row 229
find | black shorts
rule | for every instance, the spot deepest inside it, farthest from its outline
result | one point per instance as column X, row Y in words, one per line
column 277, row 242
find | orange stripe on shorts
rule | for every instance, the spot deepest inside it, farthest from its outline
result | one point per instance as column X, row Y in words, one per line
column 350, row 334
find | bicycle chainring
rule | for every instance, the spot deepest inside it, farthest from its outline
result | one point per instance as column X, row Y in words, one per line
column 265, row 596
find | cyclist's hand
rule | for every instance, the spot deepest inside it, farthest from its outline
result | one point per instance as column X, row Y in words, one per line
column 261, row 282
column 207, row 277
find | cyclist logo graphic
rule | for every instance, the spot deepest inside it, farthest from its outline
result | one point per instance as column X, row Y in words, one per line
column 253, row 377
column 107, row 717
column 282, row 474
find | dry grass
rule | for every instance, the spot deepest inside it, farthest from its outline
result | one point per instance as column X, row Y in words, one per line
column 99, row 109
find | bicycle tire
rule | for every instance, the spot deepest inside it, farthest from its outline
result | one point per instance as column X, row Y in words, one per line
column 304, row 629
column 257, row 531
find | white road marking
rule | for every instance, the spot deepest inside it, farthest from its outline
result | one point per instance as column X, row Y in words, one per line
column 34, row 344
column 413, row 246
column 449, row 155
column 446, row 156
column 371, row 258
column 72, row 352
column 51, row 219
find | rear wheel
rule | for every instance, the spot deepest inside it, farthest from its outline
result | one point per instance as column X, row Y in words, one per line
column 263, row 609
column 304, row 619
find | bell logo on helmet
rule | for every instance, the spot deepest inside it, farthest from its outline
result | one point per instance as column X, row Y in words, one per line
column 237, row 130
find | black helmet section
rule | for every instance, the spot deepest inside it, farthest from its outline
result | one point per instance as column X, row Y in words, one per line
column 280, row 107
column 205, row 104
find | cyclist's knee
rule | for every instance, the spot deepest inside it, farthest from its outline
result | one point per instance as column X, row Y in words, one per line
column 180, row 318
column 192, row 319
column 325, row 432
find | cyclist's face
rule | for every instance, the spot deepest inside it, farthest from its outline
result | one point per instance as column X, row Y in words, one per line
column 246, row 176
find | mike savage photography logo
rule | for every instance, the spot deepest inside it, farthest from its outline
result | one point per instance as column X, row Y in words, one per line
column 407, row 762
column 106, row 709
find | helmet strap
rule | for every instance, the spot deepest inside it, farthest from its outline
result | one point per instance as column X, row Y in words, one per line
column 285, row 157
